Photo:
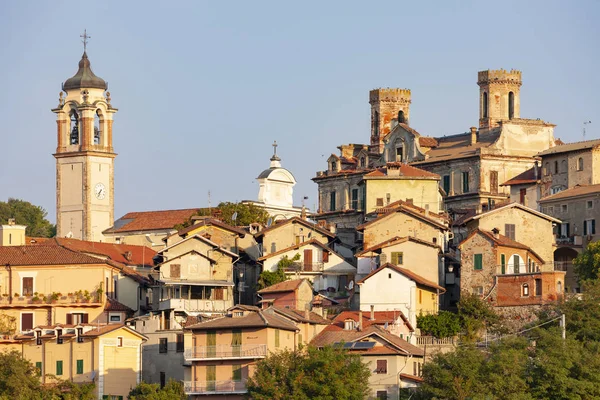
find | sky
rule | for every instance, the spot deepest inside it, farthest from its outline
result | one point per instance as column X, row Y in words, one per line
column 204, row 88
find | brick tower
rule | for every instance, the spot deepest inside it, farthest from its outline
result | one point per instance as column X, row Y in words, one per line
column 386, row 104
column 498, row 96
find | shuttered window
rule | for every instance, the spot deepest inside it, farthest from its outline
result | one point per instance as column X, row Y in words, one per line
column 276, row 337
column 478, row 261
column 27, row 286
column 236, row 374
column 59, row 368
column 79, row 367
column 381, row 367
column 176, row 271
column 397, row 257
column 503, row 263
column 509, row 231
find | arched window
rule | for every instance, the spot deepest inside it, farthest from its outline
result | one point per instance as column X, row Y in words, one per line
column 401, row 118
column 525, row 290
column 485, row 105
column 376, row 124
column 74, row 137
column 511, row 105
column 97, row 129
column 580, row 164
column 333, row 166
column 563, row 166
column 556, row 167
column 559, row 288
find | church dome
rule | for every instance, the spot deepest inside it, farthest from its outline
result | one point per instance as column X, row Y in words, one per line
column 276, row 171
column 84, row 78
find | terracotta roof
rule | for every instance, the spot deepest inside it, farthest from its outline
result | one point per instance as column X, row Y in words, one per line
column 297, row 220
column 396, row 240
column 409, row 274
column 427, row 141
column 43, row 255
column 201, row 238
column 576, row 146
column 558, row 142
column 300, row 316
column 295, row 247
column 380, row 318
column 286, row 286
column 459, row 146
column 123, row 253
column 151, row 220
column 406, row 210
column 210, row 222
column 502, row 240
column 528, row 176
column 412, row 377
column 511, row 205
column 103, row 329
column 255, row 319
column 114, row 305
column 406, row 171
column 577, row 190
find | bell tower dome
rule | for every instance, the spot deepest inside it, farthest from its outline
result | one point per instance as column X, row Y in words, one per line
column 84, row 155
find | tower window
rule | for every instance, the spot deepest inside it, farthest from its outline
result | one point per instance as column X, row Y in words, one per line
column 401, row 118
column 556, row 167
column 511, row 105
column 485, row 105
column 97, row 127
column 580, row 164
column 74, row 137
column 362, row 162
column 376, row 124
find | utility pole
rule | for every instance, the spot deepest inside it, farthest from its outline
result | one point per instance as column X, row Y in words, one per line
column 563, row 326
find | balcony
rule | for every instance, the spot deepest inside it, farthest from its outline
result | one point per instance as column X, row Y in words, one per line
column 305, row 267
column 195, row 305
column 54, row 299
column 563, row 266
column 575, row 240
column 214, row 387
column 225, row 351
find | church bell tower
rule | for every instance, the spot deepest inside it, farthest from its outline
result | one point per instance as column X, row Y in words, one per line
column 84, row 155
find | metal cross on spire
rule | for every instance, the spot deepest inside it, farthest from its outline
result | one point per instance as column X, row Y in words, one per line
column 85, row 37
column 274, row 148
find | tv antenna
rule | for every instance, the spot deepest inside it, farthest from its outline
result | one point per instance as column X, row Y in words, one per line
column 585, row 123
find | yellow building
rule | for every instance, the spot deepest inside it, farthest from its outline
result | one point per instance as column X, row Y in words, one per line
column 12, row 234
column 108, row 355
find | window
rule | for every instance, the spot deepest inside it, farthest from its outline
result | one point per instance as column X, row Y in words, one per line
column 120, row 341
column 484, row 105
column 559, row 288
column 547, row 169
column 538, row 287
column 563, row 166
column 516, row 263
column 97, row 127
column 465, row 182
column 589, row 204
column 236, row 373
column 580, row 164
column 589, row 227
column 477, row 290
column 26, row 321
column 511, row 105
column 478, row 261
column 389, row 276
column 551, row 210
column 381, row 367
column 325, row 256
column 276, row 337
column 379, row 202
column 509, row 231
column 363, row 162
column 502, row 264
column 525, row 290
column 74, row 137
column 354, row 203
column 556, row 167
column 77, row 318
column 59, row 338
column 332, row 201
column 79, row 367
column 382, row 395
column 162, row 345
column 564, row 229
column 79, row 335
column 564, row 208
column 376, row 123
column 219, row 294
column 59, row 368
column 446, row 184
column 27, row 286
column 401, row 118
column 522, row 196
column 175, row 271
column 399, row 154
column 179, row 348
column 494, row 181
column 333, row 166
column 38, row 367
column 397, row 257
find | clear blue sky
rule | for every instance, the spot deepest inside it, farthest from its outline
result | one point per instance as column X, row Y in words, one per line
column 203, row 88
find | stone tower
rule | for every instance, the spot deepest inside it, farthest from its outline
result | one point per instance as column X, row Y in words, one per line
column 386, row 104
column 498, row 96
column 84, row 156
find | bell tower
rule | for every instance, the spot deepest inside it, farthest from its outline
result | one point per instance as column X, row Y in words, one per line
column 387, row 104
column 84, row 155
column 499, row 98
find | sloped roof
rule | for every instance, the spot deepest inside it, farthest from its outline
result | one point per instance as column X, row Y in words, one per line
column 44, row 255
column 297, row 220
column 502, row 240
column 295, row 247
column 577, row 190
column 406, row 171
column 528, row 176
column 286, row 286
column 151, row 220
column 575, row 146
column 459, row 146
column 203, row 222
column 427, row 141
column 300, row 316
column 379, row 318
column 402, row 208
column 256, row 318
column 396, row 240
column 202, row 239
column 123, row 253
column 506, row 207
column 114, row 305
column 407, row 273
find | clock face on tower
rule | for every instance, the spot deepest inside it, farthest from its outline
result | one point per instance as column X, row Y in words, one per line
column 100, row 191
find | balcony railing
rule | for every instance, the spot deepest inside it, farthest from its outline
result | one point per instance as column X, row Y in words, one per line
column 305, row 267
column 40, row 300
column 563, row 266
column 195, row 305
column 224, row 351
column 214, row 387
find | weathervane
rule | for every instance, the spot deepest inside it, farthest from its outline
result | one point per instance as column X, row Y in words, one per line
column 85, row 37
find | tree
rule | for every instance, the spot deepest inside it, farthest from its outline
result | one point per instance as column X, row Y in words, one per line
column 268, row 278
column 441, row 325
column 587, row 264
column 245, row 214
column 475, row 315
column 25, row 213
column 310, row 373
column 582, row 313
column 173, row 390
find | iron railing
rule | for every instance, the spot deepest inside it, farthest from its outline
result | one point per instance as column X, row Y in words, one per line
column 221, row 351
column 208, row 387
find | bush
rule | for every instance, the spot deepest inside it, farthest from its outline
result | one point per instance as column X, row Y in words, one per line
column 441, row 325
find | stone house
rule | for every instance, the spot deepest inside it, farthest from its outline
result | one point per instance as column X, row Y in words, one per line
column 525, row 188
column 107, row 355
column 391, row 287
column 394, row 363
column 296, row 294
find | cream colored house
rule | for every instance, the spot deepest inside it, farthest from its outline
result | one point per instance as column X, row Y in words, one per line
column 12, row 234
column 391, row 287
column 108, row 355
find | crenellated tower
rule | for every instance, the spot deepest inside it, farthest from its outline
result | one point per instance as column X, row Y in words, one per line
column 84, row 155
column 499, row 98
column 387, row 104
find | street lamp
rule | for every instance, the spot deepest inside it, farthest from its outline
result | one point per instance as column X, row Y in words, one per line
column 240, row 285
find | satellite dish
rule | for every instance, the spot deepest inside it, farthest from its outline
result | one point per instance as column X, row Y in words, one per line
column 234, row 216
column 270, row 222
column 70, row 234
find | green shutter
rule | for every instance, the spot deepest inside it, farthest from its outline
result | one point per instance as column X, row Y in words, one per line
column 211, row 343
column 503, row 263
column 79, row 367
column 38, row 366
column 59, row 368
column 237, row 373
column 276, row 337
column 478, row 261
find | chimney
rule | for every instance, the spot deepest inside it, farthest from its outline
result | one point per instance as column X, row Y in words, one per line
column 303, row 213
column 360, row 320
column 372, row 312
column 11, row 221
column 535, row 170
column 332, row 228
column 496, row 233
column 473, row 135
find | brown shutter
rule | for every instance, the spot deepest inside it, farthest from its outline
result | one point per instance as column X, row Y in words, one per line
column 85, row 318
column 176, row 271
column 218, row 293
column 382, row 366
column 26, row 321
column 69, row 319
column 308, row 261
column 27, row 286
column 325, row 256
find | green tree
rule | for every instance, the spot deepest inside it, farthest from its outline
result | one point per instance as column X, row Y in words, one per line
column 441, row 325
column 268, row 278
column 173, row 390
column 587, row 264
column 582, row 313
column 475, row 316
column 310, row 373
column 245, row 214
column 25, row 213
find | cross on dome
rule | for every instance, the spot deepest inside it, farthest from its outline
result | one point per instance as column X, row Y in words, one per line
column 85, row 37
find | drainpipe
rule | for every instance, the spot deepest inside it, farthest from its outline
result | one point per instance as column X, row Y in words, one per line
column 10, row 294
